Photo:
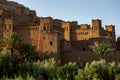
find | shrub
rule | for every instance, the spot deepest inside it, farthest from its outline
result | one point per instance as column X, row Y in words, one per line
column 6, row 64
column 99, row 70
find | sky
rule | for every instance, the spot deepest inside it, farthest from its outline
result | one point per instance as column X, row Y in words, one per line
column 82, row 11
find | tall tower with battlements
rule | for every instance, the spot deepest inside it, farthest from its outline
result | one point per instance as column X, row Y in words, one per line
column 67, row 30
column 96, row 28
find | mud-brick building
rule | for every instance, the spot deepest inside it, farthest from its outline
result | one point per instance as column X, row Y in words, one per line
column 64, row 39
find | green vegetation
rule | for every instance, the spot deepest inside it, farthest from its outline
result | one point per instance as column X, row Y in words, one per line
column 99, row 70
column 101, row 49
column 20, row 61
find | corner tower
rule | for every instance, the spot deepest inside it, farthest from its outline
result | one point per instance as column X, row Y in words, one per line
column 111, row 30
column 111, row 33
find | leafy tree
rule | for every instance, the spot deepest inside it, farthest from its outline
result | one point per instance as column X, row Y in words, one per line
column 15, row 51
column 20, row 51
column 6, row 65
column 101, row 49
column 11, row 43
column 27, row 52
column 69, row 71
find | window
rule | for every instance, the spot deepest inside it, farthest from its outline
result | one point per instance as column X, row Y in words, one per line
column 51, row 43
column 44, row 28
column 9, row 15
column 111, row 34
column 5, row 26
column 84, row 49
column 30, row 14
column 10, row 26
column 43, row 38
column 7, row 30
column 35, row 21
column 67, row 28
column 119, row 59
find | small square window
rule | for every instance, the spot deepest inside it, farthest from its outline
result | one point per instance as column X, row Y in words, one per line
column 43, row 38
column 51, row 43
column 84, row 49
column 44, row 28
column 10, row 26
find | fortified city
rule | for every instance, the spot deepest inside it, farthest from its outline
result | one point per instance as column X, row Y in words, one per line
column 66, row 40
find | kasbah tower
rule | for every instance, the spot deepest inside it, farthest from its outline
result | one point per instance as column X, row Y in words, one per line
column 67, row 41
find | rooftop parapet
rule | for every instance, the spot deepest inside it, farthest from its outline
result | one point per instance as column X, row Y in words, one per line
column 84, row 26
column 110, row 28
column 96, row 23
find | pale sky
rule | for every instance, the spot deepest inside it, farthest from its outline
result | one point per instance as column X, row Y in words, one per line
column 82, row 11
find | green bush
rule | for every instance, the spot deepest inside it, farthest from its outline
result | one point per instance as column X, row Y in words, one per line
column 49, row 69
column 117, row 77
column 69, row 71
column 99, row 70
column 6, row 64
column 65, row 72
column 81, row 63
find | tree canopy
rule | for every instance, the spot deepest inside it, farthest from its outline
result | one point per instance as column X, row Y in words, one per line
column 101, row 49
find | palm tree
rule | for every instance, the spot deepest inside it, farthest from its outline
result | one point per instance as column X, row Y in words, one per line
column 19, row 50
column 11, row 43
column 101, row 49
